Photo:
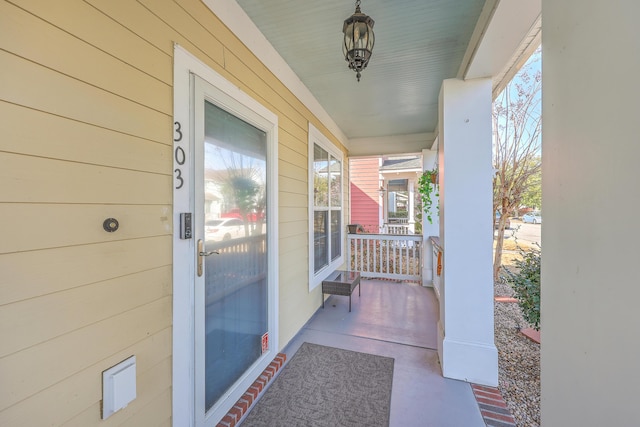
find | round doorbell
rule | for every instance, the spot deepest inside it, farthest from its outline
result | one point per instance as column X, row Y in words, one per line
column 110, row 225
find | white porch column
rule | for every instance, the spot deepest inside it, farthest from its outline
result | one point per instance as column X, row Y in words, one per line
column 411, row 218
column 466, row 336
column 429, row 159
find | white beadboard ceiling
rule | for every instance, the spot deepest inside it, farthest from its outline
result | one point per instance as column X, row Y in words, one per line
column 418, row 44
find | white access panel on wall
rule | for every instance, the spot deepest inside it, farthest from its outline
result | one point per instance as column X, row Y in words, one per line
column 118, row 386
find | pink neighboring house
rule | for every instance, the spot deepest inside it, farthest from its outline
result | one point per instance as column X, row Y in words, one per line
column 365, row 193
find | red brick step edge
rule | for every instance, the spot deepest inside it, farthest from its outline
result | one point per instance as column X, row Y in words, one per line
column 492, row 406
column 243, row 404
column 532, row 334
column 505, row 299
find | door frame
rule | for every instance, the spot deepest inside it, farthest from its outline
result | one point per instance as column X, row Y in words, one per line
column 184, row 405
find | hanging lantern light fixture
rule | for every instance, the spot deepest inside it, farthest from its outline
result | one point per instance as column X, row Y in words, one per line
column 358, row 40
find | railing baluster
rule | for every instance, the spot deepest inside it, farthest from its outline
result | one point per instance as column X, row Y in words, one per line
column 413, row 259
column 370, row 248
column 375, row 243
column 388, row 266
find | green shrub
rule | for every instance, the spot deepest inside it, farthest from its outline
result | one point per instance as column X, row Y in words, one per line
column 526, row 284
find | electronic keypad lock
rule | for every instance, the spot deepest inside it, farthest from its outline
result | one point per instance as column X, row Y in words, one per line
column 186, row 226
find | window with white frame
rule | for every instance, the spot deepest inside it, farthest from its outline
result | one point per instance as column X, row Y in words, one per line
column 325, row 207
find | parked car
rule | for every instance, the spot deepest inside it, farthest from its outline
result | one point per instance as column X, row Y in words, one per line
column 223, row 229
column 532, row 218
column 507, row 225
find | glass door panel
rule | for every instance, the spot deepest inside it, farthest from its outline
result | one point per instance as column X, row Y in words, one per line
column 235, row 272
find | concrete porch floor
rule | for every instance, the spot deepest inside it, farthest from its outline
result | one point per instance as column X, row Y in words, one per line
column 397, row 320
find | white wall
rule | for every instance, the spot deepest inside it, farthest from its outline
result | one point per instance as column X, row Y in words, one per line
column 591, row 196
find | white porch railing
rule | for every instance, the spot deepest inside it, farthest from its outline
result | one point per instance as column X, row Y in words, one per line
column 386, row 256
column 398, row 229
column 398, row 226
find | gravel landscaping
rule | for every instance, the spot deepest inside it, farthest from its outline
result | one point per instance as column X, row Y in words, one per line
column 518, row 362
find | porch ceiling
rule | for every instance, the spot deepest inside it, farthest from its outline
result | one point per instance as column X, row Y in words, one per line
column 419, row 43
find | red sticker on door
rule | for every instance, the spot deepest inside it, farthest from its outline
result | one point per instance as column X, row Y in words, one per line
column 265, row 342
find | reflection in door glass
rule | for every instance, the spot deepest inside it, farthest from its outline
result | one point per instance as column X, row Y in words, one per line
column 235, row 226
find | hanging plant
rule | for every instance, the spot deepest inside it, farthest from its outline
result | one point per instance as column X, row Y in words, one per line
column 427, row 182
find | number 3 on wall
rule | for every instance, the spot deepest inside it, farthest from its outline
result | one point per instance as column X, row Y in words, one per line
column 178, row 132
column 179, row 179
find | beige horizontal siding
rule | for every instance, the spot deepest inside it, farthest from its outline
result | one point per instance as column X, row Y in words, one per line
column 53, row 315
column 292, row 199
column 56, row 137
column 36, row 273
column 87, row 127
column 47, row 90
column 184, row 29
column 292, row 143
column 137, row 19
column 87, row 23
column 294, row 289
column 39, row 41
column 38, row 367
column 298, row 228
column 36, row 226
column 158, row 412
column 74, row 395
column 288, row 213
column 293, row 185
column 291, row 170
column 296, row 130
column 36, row 179
column 290, row 155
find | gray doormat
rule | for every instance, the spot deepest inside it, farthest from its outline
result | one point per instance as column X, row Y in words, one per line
column 326, row 386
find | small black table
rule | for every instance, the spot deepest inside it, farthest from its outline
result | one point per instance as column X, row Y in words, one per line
column 341, row 282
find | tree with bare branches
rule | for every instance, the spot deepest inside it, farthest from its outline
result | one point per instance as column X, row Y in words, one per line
column 517, row 126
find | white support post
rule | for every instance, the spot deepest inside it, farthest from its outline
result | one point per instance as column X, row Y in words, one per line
column 411, row 218
column 429, row 160
column 466, row 332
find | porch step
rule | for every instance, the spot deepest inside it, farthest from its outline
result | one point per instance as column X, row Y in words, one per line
column 492, row 406
column 243, row 404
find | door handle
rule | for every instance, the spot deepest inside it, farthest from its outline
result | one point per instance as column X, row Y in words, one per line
column 208, row 253
column 201, row 254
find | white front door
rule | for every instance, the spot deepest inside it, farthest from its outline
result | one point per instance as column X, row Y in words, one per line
column 228, row 169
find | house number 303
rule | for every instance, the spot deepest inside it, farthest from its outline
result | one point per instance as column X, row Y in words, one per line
column 178, row 155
